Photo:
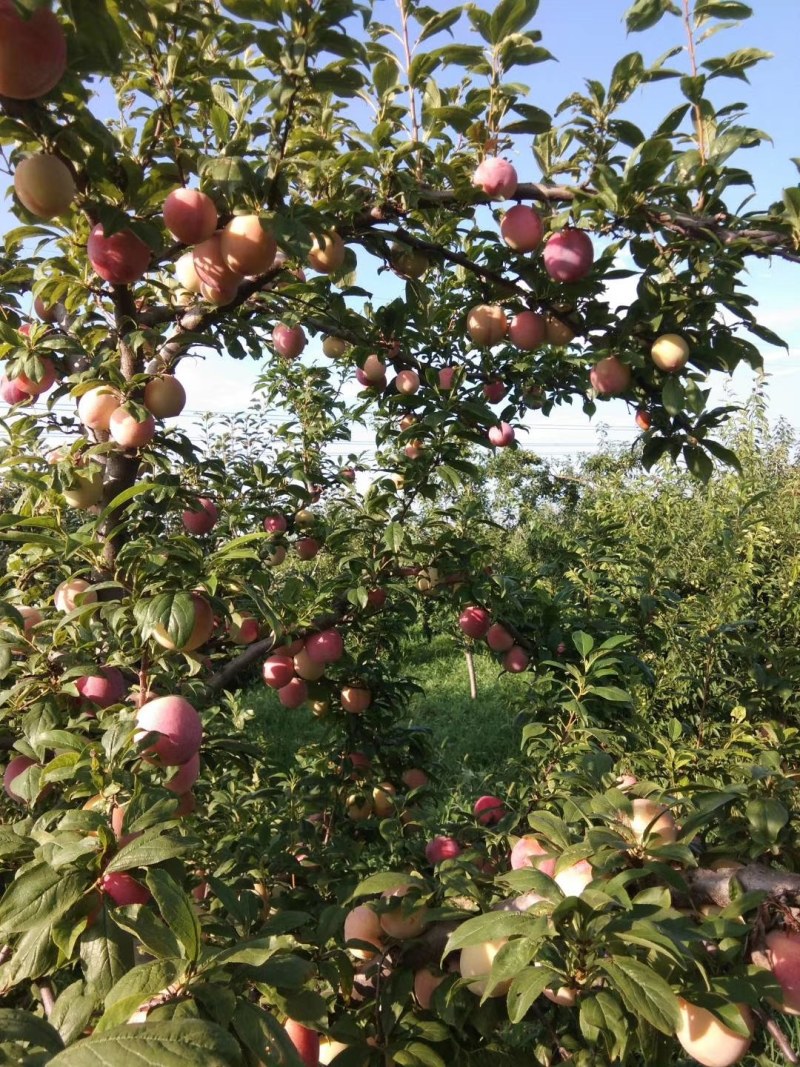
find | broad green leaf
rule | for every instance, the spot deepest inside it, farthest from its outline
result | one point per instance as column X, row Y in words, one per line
column 17, row 1025
column 526, row 987
column 138, row 986
column 40, row 896
column 644, row 992
column 145, row 851
column 179, row 1043
column 176, row 910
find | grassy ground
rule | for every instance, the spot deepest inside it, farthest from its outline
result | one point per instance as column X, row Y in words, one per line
column 471, row 739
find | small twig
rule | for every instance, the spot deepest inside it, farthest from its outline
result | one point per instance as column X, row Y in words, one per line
column 46, row 996
column 473, row 682
column 777, row 1036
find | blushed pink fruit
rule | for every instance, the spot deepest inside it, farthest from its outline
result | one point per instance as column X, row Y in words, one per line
column 203, row 520
column 568, row 255
column 103, row 689
column 275, row 524
column 129, row 432
column 407, row 382
column 501, row 436
column 33, row 52
column 124, row 889
column 522, row 229
column 497, row 178
column 294, row 693
column 247, row 246
column 305, row 1041
column 278, row 671
column 573, row 880
column 212, row 268
column 307, row 547
column 494, row 391
column 190, row 216
column 164, row 396
column 11, row 392
column 498, row 638
column 474, row 621
column 44, row 185
column 527, row 330
column 326, row 646
column 447, row 376
column 355, row 699
column 783, row 955
column 179, row 725
column 489, row 810
column 487, row 324
column 288, row 341
column 121, row 259
column 14, row 769
column 610, row 376
column 527, row 852
column 516, row 660
column 36, row 386
column 442, row 848
column 186, row 775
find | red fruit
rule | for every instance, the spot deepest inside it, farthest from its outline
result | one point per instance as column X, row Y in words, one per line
column 35, row 386
column 407, row 382
column 305, row 1041
column 325, row 647
column 103, row 689
column 527, row 330
column 124, row 889
column 355, row 699
column 33, row 52
column 121, row 259
column 442, row 848
column 568, row 255
column 643, row 420
column 494, row 391
column 128, row 432
column 248, row 248
column 474, row 621
column 275, row 524
column 212, row 267
column 18, row 764
column 278, row 671
column 179, row 725
column 501, row 436
column 289, row 341
column 527, row 852
column 489, row 810
column 498, row 638
column 190, row 216
column 10, row 391
column 185, row 776
column 497, row 178
column 522, row 228
column 414, row 778
column 487, row 324
column 203, row 520
column 307, row 547
column 447, row 377
column 294, row 693
column 376, row 598
column 360, row 764
column 516, row 659
column 783, row 954
column 610, row 376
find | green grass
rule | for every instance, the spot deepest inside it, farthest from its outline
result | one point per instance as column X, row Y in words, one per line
column 469, row 738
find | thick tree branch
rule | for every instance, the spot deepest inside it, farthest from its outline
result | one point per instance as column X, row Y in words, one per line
column 714, row 887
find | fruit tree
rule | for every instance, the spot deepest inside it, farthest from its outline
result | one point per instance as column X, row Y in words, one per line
column 373, row 211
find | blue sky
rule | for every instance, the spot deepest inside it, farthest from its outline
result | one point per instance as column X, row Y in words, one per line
column 588, row 37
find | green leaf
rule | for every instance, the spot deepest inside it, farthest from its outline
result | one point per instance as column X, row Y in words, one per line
column 510, row 960
column 583, row 642
column 176, row 910
column 71, row 1012
column 379, row 883
column 698, row 462
column 644, row 992
column 525, row 988
column 137, row 987
column 41, row 895
column 673, row 396
column 393, row 536
column 178, row 1043
column 646, row 13
column 17, row 1025
column 767, row 817
column 610, row 692
column 145, row 851
column 510, row 16
column 489, row 927
column 263, row 1036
